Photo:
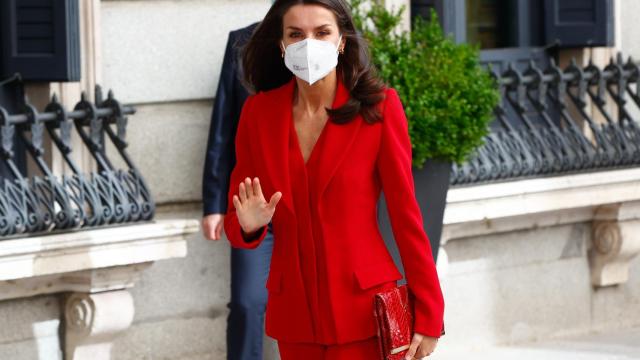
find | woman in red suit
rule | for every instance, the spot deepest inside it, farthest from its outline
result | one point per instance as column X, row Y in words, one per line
column 321, row 138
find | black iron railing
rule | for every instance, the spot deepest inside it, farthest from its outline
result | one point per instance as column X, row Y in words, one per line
column 83, row 199
column 555, row 121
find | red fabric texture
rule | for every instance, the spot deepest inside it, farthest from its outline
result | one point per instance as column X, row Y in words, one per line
column 358, row 350
column 329, row 258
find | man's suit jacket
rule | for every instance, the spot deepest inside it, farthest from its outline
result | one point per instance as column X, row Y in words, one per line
column 357, row 162
column 230, row 98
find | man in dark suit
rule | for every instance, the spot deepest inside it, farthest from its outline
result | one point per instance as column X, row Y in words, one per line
column 249, row 268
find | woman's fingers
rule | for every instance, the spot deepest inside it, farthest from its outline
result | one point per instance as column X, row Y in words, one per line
column 242, row 192
column 421, row 353
column 274, row 200
column 413, row 348
column 257, row 189
column 236, row 202
column 426, row 346
column 249, row 187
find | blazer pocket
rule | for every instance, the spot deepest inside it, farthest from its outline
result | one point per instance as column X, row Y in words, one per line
column 274, row 281
column 371, row 275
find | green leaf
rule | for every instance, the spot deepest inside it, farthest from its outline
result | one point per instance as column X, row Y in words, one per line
column 448, row 97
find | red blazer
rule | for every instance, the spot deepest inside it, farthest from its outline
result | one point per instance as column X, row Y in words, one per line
column 357, row 162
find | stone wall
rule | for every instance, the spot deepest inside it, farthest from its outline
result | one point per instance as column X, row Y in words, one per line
column 30, row 328
column 530, row 285
column 171, row 77
column 164, row 57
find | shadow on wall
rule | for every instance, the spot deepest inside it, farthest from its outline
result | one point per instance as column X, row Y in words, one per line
column 30, row 328
column 516, row 287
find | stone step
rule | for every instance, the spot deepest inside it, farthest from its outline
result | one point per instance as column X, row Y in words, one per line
column 615, row 345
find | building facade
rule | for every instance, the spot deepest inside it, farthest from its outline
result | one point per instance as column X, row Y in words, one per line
column 523, row 259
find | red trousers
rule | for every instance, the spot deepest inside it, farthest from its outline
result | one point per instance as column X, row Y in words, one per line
column 358, row 350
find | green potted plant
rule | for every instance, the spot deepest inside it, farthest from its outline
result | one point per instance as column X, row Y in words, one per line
column 447, row 96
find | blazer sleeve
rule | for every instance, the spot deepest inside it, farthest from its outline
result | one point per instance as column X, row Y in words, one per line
column 242, row 169
column 394, row 168
column 219, row 157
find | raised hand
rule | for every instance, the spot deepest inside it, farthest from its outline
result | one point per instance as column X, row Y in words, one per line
column 252, row 209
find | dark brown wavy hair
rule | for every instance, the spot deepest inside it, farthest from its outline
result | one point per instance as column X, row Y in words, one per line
column 264, row 68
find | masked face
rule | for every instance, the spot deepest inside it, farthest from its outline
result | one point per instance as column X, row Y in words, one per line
column 311, row 42
column 311, row 59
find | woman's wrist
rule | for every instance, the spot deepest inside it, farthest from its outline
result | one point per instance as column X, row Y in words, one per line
column 248, row 233
column 248, row 236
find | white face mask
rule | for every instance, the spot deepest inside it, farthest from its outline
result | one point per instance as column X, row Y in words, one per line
column 311, row 59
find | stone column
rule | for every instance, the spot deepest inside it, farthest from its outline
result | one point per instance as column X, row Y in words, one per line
column 92, row 269
column 615, row 243
column 93, row 321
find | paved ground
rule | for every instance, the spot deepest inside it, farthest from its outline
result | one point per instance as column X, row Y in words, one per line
column 619, row 345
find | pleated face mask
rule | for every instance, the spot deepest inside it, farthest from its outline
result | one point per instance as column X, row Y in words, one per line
column 311, row 59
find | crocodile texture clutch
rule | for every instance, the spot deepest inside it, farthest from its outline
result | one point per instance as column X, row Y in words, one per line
column 393, row 312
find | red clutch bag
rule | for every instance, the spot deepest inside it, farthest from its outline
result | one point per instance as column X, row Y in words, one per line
column 393, row 312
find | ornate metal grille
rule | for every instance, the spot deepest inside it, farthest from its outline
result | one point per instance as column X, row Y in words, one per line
column 49, row 202
column 544, row 126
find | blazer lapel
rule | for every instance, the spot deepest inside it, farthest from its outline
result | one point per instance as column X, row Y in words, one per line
column 339, row 138
column 274, row 139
